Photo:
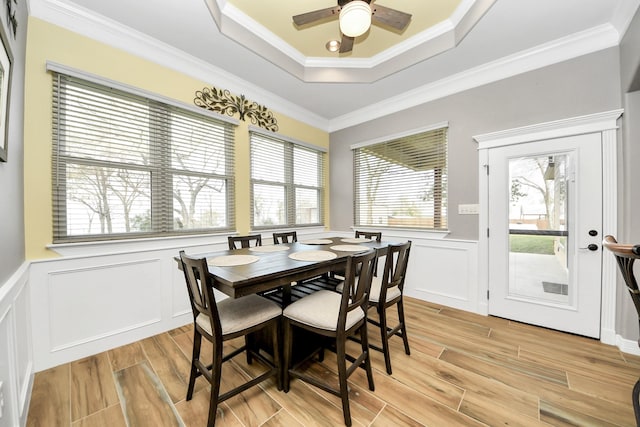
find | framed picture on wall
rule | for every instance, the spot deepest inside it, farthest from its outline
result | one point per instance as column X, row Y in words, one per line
column 6, row 61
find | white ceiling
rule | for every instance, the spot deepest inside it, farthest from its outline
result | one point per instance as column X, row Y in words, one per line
column 513, row 36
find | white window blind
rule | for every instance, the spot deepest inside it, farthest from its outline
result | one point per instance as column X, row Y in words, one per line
column 126, row 166
column 402, row 182
column 287, row 183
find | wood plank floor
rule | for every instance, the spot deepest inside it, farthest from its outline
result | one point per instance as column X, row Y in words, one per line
column 464, row 370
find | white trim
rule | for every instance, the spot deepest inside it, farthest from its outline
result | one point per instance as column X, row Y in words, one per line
column 439, row 38
column 130, row 246
column 604, row 123
column 82, row 21
column 583, row 43
column 94, row 78
column 609, row 227
column 112, row 33
column 590, row 123
column 398, row 135
column 623, row 15
column 626, row 346
column 260, row 131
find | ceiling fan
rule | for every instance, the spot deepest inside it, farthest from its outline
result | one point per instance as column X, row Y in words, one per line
column 356, row 17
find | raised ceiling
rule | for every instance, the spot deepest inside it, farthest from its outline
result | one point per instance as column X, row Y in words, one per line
column 511, row 37
column 267, row 28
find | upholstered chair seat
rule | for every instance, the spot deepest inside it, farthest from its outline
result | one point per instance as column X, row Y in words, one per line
column 239, row 314
column 321, row 310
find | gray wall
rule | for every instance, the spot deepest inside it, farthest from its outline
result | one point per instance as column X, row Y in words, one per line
column 585, row 85
column 11, row 172
column 629, row 159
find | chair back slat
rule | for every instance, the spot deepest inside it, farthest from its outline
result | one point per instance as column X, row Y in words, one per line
column 357, row 284
column 200, row 290
column 376, row 235
column 251, row 240
column 285, row 237
column 395, row 268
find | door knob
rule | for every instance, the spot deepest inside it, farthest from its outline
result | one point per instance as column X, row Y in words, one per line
column 593, row 233
column 591, row 247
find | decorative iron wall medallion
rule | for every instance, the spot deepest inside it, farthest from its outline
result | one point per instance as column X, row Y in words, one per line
column 223, row 102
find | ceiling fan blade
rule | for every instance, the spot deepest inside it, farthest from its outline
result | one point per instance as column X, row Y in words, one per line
column 316, row 15
column 391, row 17
column 346, row 44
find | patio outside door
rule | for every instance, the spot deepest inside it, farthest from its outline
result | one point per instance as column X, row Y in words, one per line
column 545, row 222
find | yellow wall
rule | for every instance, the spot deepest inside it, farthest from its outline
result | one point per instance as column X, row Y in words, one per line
column 47, row 42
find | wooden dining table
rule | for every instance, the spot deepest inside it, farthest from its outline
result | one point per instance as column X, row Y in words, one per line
column 274, row 268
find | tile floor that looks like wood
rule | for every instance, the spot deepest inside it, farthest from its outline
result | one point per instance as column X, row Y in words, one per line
column 464, row 370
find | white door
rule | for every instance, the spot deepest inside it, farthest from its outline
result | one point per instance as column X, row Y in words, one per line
column 545, row 222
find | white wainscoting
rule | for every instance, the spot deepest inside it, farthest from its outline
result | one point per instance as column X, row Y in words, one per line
column 86, row 304
column 444, row 272
column 83, row 305
column 16, row 353
column 103, row 295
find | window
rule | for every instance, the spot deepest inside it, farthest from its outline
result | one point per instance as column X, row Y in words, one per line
column 127, row 166
column 287, row 182
column 402, row 182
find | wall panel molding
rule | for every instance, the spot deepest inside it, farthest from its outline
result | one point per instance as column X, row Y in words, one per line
column 16, row 351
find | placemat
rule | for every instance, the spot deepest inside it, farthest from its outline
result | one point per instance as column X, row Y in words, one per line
column 232, row 260
column 317, row 242
column 356, row 240
column 349, row 248
column 313, row 256
column 270, row 248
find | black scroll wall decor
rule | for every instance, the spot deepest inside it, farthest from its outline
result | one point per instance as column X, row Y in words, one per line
column 223, row 102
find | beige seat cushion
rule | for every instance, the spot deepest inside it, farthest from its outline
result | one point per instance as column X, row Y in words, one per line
column 376, row 287
column 320, row 310
column 241, row 313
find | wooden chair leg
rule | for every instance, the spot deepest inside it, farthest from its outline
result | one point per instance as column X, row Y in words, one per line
column 216, row 370
column 276, row 332
column 288, row 346
column 249, row 343
column 342, row 379
column 364, row 340
column 384, row 336
column 403, row 327
column 195, row 355
column 635, row 395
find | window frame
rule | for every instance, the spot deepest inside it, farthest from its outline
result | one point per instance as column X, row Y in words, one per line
column 162, row 218
column 289, row 186
column 442, row 179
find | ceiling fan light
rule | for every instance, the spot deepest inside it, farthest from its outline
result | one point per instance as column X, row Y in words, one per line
column 355, row 18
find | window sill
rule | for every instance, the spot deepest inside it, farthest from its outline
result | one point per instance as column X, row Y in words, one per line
column 112, row 247
column 407, row 232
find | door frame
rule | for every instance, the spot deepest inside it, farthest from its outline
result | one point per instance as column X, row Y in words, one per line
column 605, row 124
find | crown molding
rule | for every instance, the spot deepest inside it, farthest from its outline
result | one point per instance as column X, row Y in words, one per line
column 86, row 23
column 112, row 33
column 623, row 15
column 590, row 123
column 585, row 42
column 253, row 35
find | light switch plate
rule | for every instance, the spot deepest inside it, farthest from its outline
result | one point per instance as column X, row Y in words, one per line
column 468, row 209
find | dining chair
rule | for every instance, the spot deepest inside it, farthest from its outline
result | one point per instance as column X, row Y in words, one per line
column 374, row 235
column 626, row 255
column 387, row 291
column 336, row 317
column 285, row 237
column 248, row 241
column 220, row 321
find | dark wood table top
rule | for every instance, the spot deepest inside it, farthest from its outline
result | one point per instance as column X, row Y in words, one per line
column 275, row 269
